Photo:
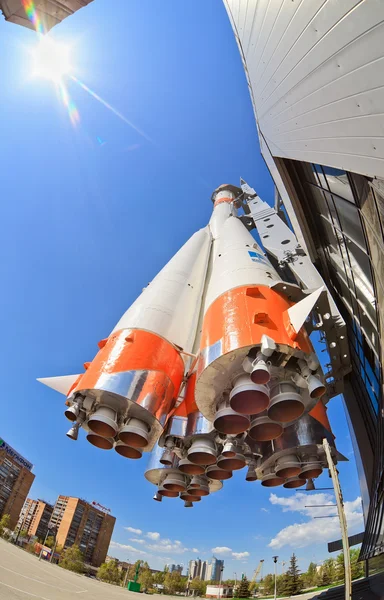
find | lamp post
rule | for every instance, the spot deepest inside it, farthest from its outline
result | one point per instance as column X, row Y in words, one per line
column 53, row 550
column 45, row 539
column 126, row 575
column 220, row 579
column 275, row 561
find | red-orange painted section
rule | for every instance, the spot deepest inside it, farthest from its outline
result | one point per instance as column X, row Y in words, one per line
column 134, row 349
column 319, row 412
column 223, row 199
column 188, row 405
column 242, row 315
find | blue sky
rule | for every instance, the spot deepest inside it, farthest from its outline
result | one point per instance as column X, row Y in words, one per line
column 85, row 225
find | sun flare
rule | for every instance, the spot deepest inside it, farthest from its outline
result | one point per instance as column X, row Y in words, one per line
column 51, row 59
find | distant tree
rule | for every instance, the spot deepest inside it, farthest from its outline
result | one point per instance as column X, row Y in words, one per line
column 132, row 569
column 292, row 583
column 267, row 584
column 310, row 577
column 200, row 587
column 146, row 578
column 5, row 523
column 31, row 547
column 109, row 572
column 281, row 584
column 174, row 582
column 24, row 533
column 328, row 572
column 50, row 541
column 242, row 590
column 72, row 559
column 158, row 578
column 357, row 568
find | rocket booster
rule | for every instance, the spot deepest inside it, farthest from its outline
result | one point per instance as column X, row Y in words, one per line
column 211, row 369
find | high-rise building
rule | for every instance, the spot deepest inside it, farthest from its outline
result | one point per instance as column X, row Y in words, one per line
column 216, row 566
column 207, row 571
column 312, row 77
column 175, row 568
column 35, row 517
column 16, row 479
column 194, row 568
column 81, row 523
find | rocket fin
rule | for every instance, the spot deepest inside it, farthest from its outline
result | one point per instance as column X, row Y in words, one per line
column 300, row 311
column 61, row 384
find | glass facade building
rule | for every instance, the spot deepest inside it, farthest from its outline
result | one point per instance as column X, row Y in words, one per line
column 314, row 72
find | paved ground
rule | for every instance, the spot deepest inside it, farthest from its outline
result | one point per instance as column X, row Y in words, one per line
column 24, row 577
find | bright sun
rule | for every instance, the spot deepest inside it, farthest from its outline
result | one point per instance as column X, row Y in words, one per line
column 51, row 59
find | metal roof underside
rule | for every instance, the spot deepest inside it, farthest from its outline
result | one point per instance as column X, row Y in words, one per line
column 50, row 12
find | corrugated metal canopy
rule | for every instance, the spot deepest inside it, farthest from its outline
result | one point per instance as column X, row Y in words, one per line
column 50, row 12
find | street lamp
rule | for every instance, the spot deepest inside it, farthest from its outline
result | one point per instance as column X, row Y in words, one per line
column 50, row 528
column 126, row 575
column 220, row 578
column 235, row 574
column 275, row 561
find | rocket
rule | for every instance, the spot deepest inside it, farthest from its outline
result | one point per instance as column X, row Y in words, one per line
column 210, row 370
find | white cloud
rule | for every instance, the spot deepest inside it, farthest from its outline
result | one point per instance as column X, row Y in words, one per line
column 225, row 551
column 137, row 540
column 126, row 548
column 133, row 530
column 221, row 550
column 166, row 545
column 300, row 535
column 195, row 550
column 240, row 555
column 265, row 510
column 153, row 535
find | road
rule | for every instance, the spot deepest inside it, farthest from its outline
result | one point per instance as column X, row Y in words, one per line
column 24, row 577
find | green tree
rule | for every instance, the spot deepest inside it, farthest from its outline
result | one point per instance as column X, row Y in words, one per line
column 242, row 590
column 5, row 523
column 24, row 533
column 310, row 577
column 200, row 587
column 281, row 583
column 174, row 582
column 109, row 572
column 132, row 569
column 72, row 559
column 328, row 572
column 292, row 583
column 158, row 578
column 357, row 568
column 267, row 585
column 50, row 541
column 146, row 578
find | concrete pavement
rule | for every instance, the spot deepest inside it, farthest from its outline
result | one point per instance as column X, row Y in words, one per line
column 24, row 577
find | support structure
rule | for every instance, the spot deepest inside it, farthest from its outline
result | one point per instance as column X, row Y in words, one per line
column 342, row 519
